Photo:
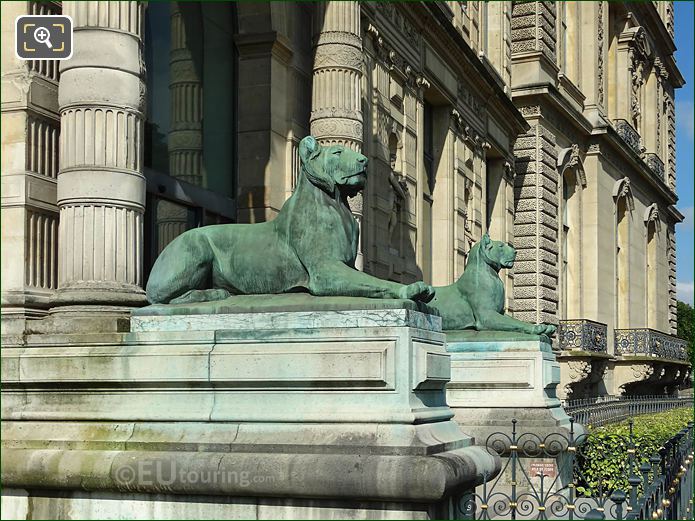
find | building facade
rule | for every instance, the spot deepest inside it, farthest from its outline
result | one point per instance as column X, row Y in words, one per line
column 550, row 125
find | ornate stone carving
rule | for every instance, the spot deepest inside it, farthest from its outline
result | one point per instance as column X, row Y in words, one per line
column 570, row 159
column 639, row 52
column 509, row 171
column 466, row 132
column 393, row 60
column 621, row 189
column 599, row 61
column 577, row 372
column 533, row 28
column 337, row 73
column 471, row 100
column 652, row 214
column 530, row 110
column 393, row 13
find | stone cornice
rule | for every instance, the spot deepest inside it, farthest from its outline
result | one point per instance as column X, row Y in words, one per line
column 487, row 81
column 674, row 213
column 552, row 101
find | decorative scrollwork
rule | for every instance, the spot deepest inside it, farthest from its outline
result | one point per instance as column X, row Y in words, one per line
column 576, row 496
column 583, row 335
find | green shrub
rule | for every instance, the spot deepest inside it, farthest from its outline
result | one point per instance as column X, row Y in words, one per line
column 604, row 459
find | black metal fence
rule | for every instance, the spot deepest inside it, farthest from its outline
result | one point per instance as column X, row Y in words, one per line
column 612, row 409
column 660, row 486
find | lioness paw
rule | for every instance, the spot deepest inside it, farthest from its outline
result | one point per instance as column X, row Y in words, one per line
column 538, row 329
column 549, row 329
column 418, row 291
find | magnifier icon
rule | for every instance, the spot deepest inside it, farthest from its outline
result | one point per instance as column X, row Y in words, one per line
column 43, row 35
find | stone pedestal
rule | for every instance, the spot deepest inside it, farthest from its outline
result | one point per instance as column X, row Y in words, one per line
column 498, row 377
column 238, row 409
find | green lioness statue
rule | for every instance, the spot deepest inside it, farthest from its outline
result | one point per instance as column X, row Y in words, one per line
column 310, row 246
column 476, row 300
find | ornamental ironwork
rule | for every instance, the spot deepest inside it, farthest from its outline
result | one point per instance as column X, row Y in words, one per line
column 656, row 165
column 583, row 335
column 649, row 342
column 604, row 410
column 628, row 134
column 542, row 478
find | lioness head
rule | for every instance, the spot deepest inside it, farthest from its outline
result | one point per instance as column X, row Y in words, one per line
column 333, row 166
column 497, row 254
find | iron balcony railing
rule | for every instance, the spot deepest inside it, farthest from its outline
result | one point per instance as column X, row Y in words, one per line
column 628, row 133
column 612, row 409
column 656, row 165
column 649, row 342
column 583, row 335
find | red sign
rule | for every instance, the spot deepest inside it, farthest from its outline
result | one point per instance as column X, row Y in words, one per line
column 548, row 469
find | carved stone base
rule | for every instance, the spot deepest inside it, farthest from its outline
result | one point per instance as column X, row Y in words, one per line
column 495, row 381
column 284, row 420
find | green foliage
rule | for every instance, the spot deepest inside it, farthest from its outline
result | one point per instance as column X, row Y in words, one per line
column 684, row 326
column 604, row 463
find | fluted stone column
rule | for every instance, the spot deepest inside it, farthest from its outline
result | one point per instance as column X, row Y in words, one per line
column 101, row 187
column 336, row 111
column 186, row 88
column 186, row 130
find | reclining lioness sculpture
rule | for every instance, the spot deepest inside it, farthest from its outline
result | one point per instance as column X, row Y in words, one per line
column 310, row 246
column 476, row 300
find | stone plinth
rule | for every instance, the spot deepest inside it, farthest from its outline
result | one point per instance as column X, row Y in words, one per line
column 497, row 377
column 297, row 414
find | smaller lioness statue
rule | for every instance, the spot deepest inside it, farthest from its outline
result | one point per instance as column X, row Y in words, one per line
column 310, row 246
column 476, row 300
